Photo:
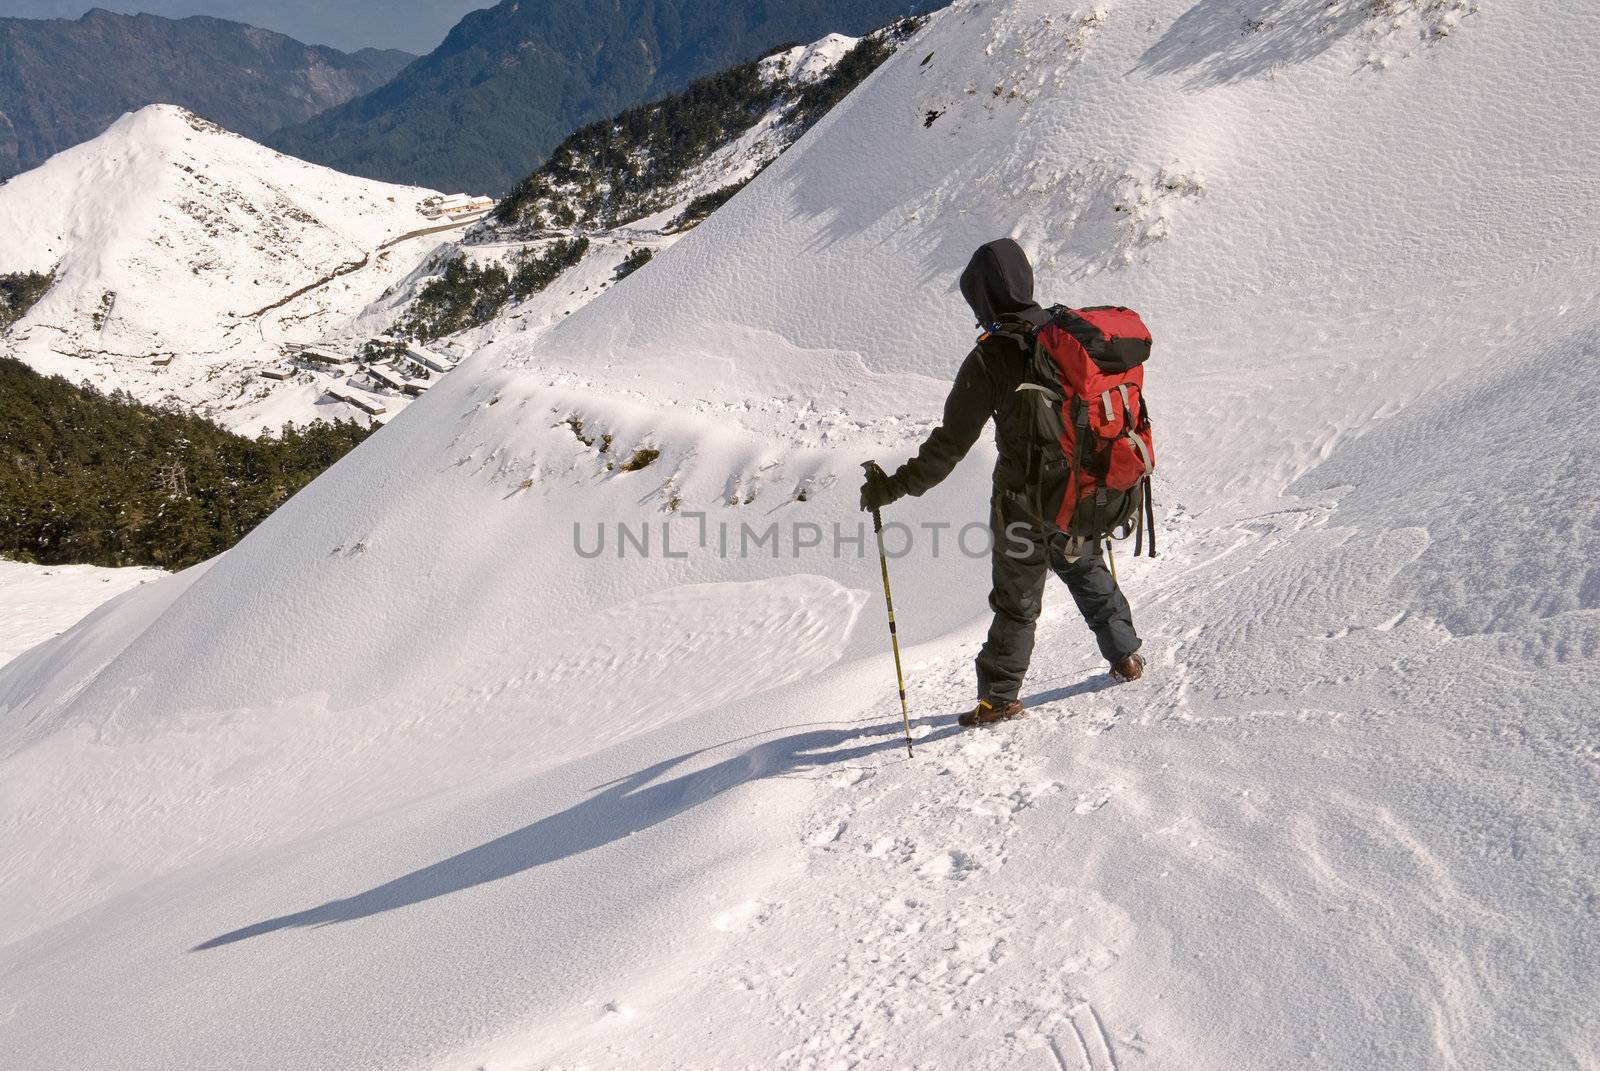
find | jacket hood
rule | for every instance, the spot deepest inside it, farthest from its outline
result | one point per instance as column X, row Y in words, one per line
column 998, row 282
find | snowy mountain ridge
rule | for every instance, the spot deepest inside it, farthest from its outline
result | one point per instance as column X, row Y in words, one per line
column 715, row 135
column 573, row 196
column 441, row 786
column 204, row 285
column 187, row 258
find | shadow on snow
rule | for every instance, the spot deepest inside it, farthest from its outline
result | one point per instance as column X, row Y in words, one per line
column 1221, row 41
column 620, row 809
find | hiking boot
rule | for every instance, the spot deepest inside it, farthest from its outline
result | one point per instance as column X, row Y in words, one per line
column 1128, row 669
column 987, row 713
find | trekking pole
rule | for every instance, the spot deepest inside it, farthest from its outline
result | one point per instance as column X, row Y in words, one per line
column 1111, row 557
column 873, row 471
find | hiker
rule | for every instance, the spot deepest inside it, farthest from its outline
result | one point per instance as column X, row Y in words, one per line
column 998, row 284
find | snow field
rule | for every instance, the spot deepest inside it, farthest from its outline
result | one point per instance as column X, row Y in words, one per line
column 1345, row 821
column 1058, row 888
column 808, row 63
column 41, row 601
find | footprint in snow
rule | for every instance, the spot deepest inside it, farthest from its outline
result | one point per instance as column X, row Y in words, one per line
column 1007, row 804
column 983, row 747
column 1089, row 802
column 746, row 916
column 850, row 778
column 881, row 847
column 615, row 1010
column 995, row 807
column 952, row 865
column 826, row 835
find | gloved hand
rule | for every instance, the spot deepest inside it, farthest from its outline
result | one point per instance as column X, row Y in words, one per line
column 880, row 489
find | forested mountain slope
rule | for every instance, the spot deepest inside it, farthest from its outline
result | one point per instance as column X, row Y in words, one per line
column 89, row 478
column 510, row 82
column 617, row 192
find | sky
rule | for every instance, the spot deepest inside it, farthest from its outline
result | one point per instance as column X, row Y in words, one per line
column 414, row 25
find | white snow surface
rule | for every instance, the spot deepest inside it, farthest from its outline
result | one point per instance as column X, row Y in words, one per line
column 405, row 780
column 41, row 601
column 187, row 256
column 807, row 63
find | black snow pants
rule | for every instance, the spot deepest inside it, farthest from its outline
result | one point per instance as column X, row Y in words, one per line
column 1021, row 559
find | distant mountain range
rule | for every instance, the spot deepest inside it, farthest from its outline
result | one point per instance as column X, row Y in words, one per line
column 63, row 82
column 413, row 25
column 484, row 108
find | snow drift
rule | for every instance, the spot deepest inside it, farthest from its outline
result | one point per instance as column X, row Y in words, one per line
column 40, row 601
column 409, row 779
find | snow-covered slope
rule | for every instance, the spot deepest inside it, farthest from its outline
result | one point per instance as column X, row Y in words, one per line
column 40, row 601
column 186, row 257
column 413, row 777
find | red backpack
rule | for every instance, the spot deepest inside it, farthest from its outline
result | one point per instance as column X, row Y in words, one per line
column 1093, row 452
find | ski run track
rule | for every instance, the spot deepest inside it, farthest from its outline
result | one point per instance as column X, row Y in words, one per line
column 406, row 780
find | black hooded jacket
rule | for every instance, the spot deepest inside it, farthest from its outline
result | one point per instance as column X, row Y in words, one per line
column 998, row 284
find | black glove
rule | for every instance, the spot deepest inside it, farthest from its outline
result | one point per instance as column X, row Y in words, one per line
column 880, row 489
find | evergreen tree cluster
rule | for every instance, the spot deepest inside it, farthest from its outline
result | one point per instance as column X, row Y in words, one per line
column 103, row 479
column 699, row 210
column 610, row 172
column 467, row 294
column 621, row 169
column 634, row 261
column 19, row 292
column 381, row 350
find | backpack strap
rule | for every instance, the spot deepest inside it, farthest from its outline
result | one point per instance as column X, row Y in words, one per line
column 1025, row 337
column 1042, row 389
column 1150, row 515
column 1013, row 330
column 1149, row 507
column 1144, row 455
